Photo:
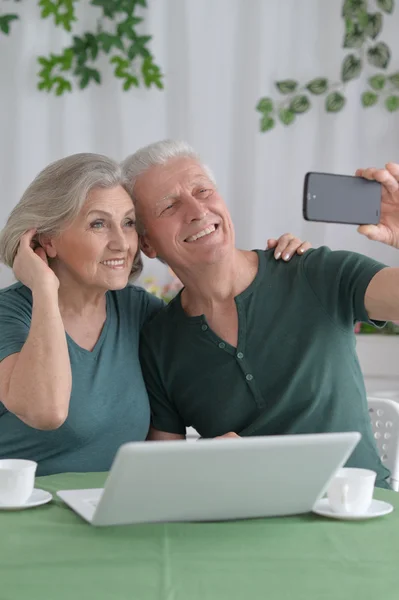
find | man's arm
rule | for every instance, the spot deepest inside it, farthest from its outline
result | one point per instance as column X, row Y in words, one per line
column 166, row 422
column 382, row 296
column 154, row 435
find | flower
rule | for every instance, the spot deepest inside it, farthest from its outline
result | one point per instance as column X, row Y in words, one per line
column 166, row 292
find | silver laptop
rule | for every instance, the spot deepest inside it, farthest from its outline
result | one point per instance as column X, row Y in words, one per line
column 214, row 479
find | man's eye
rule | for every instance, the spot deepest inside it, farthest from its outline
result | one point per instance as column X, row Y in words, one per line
column 167, row 208
column 97, row 224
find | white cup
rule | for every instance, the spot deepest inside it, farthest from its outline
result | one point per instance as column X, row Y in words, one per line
column 351, row 491
column 17, row 480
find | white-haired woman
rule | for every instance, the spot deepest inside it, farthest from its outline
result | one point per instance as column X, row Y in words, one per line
column 71, row 387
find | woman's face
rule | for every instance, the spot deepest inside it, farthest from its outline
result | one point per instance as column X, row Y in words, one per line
column 98, row 247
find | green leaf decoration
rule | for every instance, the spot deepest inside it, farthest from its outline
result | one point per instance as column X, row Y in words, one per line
column 121, row 66
column 130, row 81
column 299, row 104
column 108, row 41
column 355, row 38
column 369, row 99
column 265, row 105
column 394, row 79
column 5, row 22
column 92, row 45
column 114, row 34
column 63, row 12
column 335, row 102
column 286, row 116
column 107, row 7
column 377, row 82
column 386, row 6
column 392, row 103
column 287, row 86
column 363, row 19
column 363, row 25
column 351, row 8
column 349, row 25
column 151, row 73
column 62, row 85
column 379, row 55
column 317, row 86
column 351, row 68
column 374, row 25
column 86, row 75
column 137, row 47
column 267, row 123
column 127, row 26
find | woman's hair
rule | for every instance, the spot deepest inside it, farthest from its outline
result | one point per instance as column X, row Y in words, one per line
column 155, row 154
column 55, row 197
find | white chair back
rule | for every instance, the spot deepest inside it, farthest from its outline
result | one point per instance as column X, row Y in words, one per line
column 384, row 414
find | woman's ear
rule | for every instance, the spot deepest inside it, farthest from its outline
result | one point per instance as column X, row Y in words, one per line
column 47, row 243
column 146, row 247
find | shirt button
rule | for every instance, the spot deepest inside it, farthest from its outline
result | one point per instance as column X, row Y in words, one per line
column 240, row 355
column 249, row 377
column 222, row 345
column 204, row 327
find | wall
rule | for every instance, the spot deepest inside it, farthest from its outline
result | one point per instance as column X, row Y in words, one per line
column 219, row 57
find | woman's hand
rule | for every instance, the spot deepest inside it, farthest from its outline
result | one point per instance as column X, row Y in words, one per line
column 31, row 265
column 287, row 245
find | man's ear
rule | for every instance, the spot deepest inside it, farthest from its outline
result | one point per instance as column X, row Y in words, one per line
column 146, row 247
column 47, row 243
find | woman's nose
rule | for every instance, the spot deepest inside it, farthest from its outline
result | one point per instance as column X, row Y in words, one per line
column 118, row 240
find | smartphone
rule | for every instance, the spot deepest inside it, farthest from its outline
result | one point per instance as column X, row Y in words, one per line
column 341, row 199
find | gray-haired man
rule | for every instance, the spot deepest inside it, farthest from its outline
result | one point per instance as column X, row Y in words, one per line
column 252, row 346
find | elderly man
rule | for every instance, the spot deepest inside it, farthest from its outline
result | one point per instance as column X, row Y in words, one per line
column 252, row 346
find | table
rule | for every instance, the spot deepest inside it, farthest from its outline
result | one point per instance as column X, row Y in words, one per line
column 49, row 553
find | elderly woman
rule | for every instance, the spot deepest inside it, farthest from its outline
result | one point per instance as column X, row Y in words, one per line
column 71, row 387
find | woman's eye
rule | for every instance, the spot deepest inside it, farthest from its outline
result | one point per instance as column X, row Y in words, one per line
column 130, row 223
column 97, row 224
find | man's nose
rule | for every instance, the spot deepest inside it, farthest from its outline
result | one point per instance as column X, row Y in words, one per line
column 195, row 209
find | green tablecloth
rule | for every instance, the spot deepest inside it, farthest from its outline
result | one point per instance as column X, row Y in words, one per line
column 49, row 553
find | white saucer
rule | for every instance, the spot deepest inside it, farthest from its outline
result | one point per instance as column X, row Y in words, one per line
column 378, row 508
column 37, row 498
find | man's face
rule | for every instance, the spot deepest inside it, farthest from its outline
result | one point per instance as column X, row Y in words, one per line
column 186, row 220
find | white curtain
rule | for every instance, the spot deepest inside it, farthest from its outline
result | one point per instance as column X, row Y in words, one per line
column 219, row 57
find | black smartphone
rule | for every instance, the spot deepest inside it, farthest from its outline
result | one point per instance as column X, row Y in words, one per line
column 341, row 199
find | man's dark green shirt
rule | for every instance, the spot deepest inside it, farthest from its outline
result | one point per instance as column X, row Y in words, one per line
column 294, row 370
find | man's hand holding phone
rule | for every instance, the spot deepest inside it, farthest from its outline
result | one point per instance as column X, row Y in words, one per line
column 387, row 230
column 369, row 199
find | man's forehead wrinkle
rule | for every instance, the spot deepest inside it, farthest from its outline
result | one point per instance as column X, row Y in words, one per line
column 184, row 179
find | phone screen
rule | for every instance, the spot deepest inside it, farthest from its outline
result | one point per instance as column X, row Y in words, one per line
column 341, row 199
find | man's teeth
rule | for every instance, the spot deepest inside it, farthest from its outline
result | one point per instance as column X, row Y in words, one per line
column 201, row 234
column 114, row 263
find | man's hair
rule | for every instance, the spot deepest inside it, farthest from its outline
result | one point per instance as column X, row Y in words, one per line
column 55, row 197
column 155, row 154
